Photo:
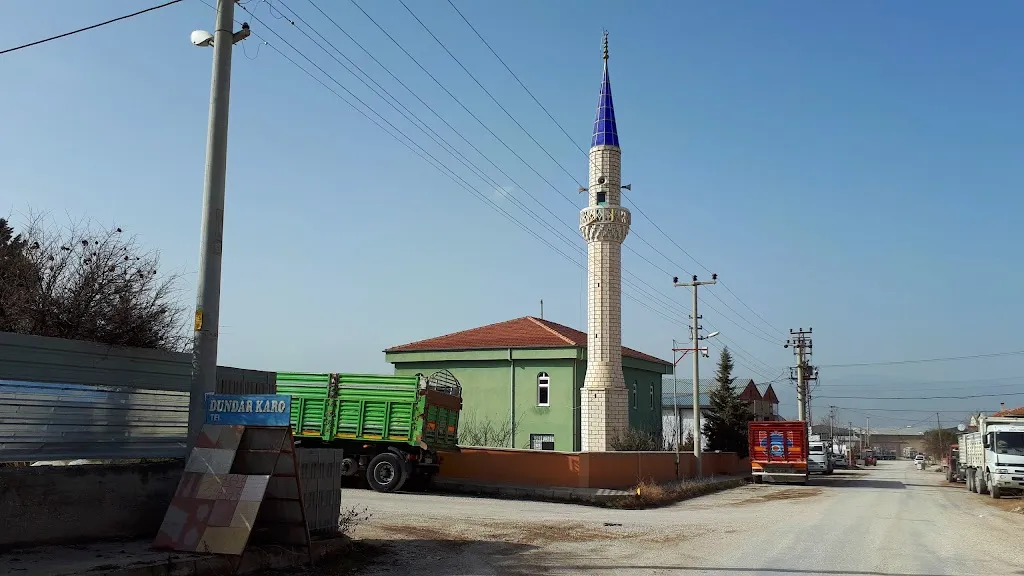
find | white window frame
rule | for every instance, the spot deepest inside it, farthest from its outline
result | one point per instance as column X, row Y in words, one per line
column 539, row 439
column 544, row 383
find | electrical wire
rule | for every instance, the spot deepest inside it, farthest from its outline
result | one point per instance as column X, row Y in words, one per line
column 584, row 152
column 967, row 397
column 87, row 28
column 430, row 158
column 925, row 360
column 488, row 129
column 398, row 135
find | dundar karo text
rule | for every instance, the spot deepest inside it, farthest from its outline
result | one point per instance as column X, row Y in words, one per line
column 247, row 406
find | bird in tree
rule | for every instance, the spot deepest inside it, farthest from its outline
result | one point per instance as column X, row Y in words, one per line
column 725, row 424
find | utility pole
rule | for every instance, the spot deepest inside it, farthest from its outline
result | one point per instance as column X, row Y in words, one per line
column 868, row 435
column 942, row 449
column 695, row 337
column 800, row 341
column 207, row 317
column 675, row 407
column 832, row 425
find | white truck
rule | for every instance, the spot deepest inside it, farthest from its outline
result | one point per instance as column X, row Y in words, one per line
column 993, row 457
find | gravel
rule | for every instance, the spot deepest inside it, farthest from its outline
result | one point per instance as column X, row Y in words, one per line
column 892, row 520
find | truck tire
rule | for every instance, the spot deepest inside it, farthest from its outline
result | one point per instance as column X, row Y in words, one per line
column 979, row 481
column 994, row 491
column 386, row 472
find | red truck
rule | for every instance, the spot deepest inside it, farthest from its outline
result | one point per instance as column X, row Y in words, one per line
column 778, row 451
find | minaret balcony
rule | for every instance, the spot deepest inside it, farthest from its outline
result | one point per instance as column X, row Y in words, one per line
column 605, row 223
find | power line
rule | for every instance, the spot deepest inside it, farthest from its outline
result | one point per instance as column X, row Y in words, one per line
column 926, row 360
column 433, row 160
column 87, row 28
column 440, row 141
column 479, row 121
column 419, row 151
column 967, row 397
column 584, row 152
column 770, row 338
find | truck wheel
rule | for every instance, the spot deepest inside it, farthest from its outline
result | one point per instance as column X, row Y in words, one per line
column 386, row 472
column 993, row 490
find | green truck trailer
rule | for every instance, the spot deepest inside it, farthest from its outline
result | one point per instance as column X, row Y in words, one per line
column 389, row 427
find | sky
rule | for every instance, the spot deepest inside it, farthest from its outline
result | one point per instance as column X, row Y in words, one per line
column 851, row 167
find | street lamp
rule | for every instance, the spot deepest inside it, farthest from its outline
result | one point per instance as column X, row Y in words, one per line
column 207, row 317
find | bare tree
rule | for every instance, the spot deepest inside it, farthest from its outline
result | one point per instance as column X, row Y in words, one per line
column 487, row 432
column 84, row 283
column 636, row 440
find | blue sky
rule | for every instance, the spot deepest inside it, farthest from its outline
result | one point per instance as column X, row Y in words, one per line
column 851, row 167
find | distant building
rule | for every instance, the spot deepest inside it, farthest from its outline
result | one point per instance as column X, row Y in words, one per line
column 764, row 406
column 530, row 372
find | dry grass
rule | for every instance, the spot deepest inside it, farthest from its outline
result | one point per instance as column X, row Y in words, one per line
column 783, row 494
column 650, row 495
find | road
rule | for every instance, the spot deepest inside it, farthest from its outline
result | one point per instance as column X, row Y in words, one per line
column 892, row 520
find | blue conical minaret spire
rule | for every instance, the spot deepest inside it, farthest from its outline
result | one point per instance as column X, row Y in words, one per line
column 605, row 132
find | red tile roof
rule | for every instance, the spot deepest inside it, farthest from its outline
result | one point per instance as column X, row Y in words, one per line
column 525, row 332
column 1011, row 412
column 769, row 395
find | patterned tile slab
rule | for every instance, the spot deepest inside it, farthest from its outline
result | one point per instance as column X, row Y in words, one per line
column 184, row 528
column 224, row 540
column 210, row 460
column 209, row 487
column 188, row 486
column 232, row 486
column 255, row 488
column 230, row 436
column 245, row 513
column 223, row 512
column 208, row 436
column 171, row 528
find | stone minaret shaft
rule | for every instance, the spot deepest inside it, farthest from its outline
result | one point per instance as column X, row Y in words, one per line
column 604, row 412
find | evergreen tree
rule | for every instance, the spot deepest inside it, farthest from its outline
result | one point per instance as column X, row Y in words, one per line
column 725, row 424
column 16, row 279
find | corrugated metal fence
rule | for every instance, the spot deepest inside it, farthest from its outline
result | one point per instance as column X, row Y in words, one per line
column 66, row 400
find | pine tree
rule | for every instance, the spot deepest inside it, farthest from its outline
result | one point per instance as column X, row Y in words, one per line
column 726, row 422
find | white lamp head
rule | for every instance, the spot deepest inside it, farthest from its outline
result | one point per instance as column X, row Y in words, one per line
column 202, row 38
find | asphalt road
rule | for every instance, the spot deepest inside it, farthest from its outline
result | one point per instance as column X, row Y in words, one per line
column 892, row 520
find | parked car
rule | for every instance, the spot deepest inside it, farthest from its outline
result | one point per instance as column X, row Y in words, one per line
column 839, row 461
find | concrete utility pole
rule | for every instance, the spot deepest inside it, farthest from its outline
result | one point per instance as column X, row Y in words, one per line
column 695, row 337
column 800, row 341
column 675, row 407
column 207, row 318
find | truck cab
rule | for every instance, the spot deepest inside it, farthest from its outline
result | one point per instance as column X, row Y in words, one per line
column 819, row 459
column 993, row 457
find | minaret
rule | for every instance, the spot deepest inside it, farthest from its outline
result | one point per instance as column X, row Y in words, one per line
column 604, row 223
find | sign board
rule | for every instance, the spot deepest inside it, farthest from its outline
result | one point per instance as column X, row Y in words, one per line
column 248, row 409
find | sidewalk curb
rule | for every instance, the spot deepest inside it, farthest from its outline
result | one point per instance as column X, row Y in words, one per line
column 573, row 495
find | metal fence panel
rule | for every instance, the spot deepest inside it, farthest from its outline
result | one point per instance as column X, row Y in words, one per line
column 67, row 400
